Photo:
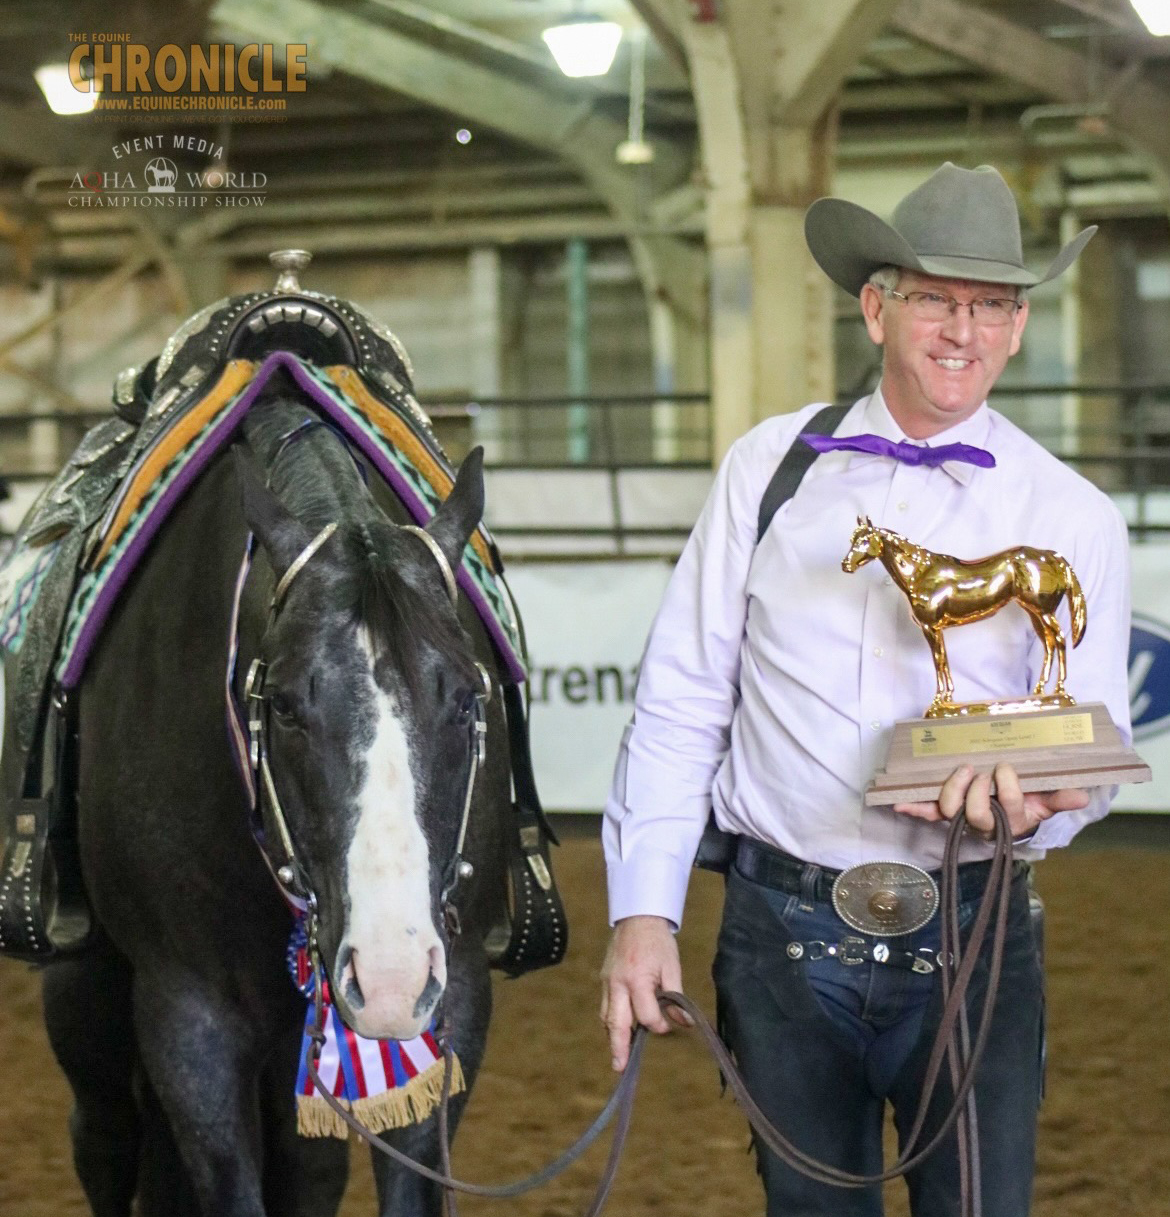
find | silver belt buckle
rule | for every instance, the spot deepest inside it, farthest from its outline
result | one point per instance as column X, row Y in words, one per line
column 886, row 898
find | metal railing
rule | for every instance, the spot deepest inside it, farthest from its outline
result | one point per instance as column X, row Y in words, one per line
column 1118, row 435
column 603, row 434
column 594, row 432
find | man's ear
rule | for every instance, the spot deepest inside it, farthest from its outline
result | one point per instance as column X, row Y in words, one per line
column 873, row 303
column 1018, row 322
column 279, row 532
column 457, row 517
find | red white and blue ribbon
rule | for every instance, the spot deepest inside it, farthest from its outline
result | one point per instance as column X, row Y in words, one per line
column 384, row 1083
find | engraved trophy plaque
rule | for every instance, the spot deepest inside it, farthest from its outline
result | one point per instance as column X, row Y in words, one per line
column 1050, row 740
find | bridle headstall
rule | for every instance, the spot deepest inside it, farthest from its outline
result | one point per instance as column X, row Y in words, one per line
column 289, row 870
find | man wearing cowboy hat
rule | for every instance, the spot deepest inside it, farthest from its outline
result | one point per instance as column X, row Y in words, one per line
column 770, row 686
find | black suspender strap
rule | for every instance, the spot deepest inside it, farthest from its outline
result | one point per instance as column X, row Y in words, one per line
column 795, row 465
column 717, row 848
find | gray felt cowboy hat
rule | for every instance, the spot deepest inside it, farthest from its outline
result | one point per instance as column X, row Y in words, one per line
column 960, row 224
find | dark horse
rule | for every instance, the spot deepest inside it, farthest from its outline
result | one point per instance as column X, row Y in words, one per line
column 180, row 1029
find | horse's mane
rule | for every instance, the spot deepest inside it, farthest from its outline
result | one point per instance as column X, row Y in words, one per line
column 318, row 481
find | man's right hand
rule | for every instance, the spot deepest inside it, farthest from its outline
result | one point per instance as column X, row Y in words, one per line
column 642, row 958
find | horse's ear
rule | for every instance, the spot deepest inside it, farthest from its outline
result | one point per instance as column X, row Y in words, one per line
column 281, row 534
column 457, row 517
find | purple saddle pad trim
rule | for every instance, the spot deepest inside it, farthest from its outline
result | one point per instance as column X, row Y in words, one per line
column 213, row 442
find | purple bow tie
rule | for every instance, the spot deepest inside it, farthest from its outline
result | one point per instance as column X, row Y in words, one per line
column 910, row 454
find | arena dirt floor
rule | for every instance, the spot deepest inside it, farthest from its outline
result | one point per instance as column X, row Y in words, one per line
column 1105, row 1125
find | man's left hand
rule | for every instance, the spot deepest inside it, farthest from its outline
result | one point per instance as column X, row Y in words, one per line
column 966, row 789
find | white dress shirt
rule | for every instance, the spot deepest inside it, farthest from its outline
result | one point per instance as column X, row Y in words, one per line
column 772, row 679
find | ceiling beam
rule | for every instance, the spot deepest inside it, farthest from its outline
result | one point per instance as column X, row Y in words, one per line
column 816, row 46
column 464, row 33
column 1136, row 108
column 661, row 18
column 574, row 131
column 789, row 60
column 513, row 107
column 254, row 240
column 348, row 207
column 36, row 137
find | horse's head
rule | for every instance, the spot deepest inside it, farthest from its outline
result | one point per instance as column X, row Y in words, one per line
column 864, row 545
column 371, row 702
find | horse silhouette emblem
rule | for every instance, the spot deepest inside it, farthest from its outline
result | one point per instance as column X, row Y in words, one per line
column 944, row 591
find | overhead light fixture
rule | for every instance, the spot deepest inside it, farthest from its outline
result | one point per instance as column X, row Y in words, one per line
column 1155, row 15
column 583, row 45
column 634, row 150
column 64, row 93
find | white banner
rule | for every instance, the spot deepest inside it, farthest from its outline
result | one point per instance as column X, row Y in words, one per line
column 587, row 624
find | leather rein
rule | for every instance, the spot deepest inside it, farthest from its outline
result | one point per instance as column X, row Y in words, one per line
column 952, row 1043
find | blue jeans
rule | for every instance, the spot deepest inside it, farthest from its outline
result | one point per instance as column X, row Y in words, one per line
column 823, row 1046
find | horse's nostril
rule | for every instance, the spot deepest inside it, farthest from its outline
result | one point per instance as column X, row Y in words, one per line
column 347, row 979
column 438, row 961
column 431, row 993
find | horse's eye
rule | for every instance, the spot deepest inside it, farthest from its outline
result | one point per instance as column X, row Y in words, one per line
column 282, row 706
column 467, row 706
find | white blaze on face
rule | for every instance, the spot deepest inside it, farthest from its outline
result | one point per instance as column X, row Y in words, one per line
column 396, row 949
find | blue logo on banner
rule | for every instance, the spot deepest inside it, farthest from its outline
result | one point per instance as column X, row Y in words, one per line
column 1149, row 676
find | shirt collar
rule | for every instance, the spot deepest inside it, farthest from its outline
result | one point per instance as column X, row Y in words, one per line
column 876, row 419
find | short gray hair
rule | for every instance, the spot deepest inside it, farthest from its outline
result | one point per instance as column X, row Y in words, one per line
column 885, row 278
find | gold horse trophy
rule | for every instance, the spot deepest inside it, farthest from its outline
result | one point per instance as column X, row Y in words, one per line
column 1050, row 741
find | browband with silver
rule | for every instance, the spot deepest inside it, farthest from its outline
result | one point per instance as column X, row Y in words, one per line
column 440, row 557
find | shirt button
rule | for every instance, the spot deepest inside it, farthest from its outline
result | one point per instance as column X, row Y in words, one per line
column 889, row 581
column 878, row 652
column 903, row 506
column 875, row 725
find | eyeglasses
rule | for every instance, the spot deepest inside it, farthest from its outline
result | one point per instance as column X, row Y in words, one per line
column 937, row 306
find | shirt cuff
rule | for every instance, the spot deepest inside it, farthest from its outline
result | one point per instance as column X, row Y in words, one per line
column 649, row 884
column 1058, row 830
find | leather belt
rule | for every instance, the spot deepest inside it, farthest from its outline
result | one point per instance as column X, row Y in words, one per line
column 772, row 867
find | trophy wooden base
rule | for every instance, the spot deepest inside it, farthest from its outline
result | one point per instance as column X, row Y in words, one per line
column 1050, row 749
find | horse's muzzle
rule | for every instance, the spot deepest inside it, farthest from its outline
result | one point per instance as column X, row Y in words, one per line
column 389, row 998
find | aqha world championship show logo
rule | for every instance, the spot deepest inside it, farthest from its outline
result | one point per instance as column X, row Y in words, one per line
column 168, row 171
column 1149, row 676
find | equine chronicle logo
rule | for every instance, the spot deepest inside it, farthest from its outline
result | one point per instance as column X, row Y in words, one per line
column 148, row 175
column 251, row 81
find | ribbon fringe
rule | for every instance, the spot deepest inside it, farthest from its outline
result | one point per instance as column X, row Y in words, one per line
column 399, row 1107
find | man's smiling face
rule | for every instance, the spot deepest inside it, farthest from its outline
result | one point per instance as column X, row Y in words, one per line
column 935, row 374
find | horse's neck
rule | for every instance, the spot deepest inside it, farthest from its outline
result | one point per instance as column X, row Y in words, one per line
column 313, row 475
column 902, row 559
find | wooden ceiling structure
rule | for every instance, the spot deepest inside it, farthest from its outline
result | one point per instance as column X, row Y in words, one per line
column 366, row 158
